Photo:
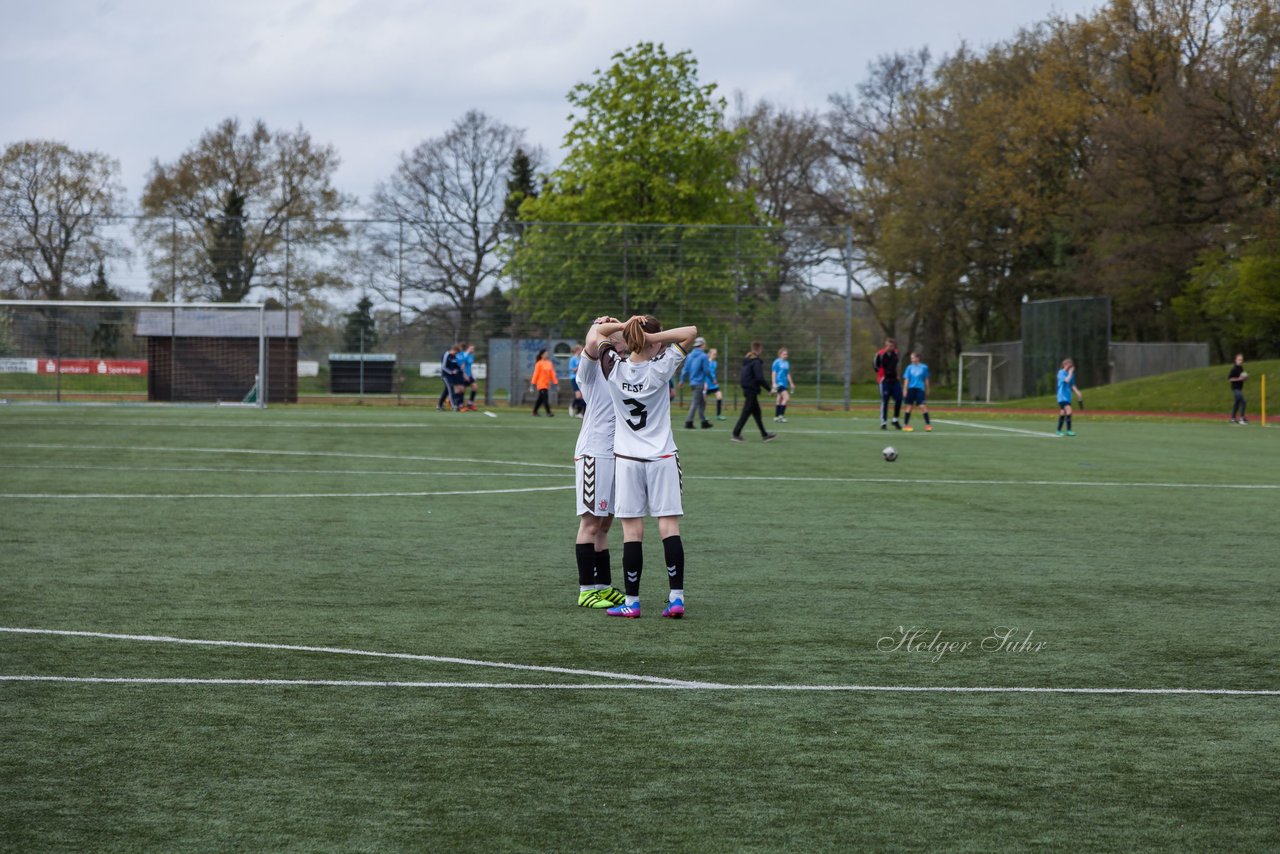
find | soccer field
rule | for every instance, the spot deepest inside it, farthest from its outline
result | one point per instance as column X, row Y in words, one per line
column 354, row 628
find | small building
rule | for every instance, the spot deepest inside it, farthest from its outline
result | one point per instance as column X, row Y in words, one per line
column 211, row 355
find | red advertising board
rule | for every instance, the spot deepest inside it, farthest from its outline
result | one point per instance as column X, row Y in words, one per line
column 96, row 367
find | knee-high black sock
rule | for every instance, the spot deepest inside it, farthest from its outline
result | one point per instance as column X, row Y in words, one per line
column 632, row 566
column 926, row 418
column 1062, row 419
column 719, row 406
column 906, row 419
column 604, row 569
column 1068, row 422
column 586, row 555
column 673, row 549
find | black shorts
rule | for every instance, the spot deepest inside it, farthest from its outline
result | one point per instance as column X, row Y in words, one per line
column 915, row 397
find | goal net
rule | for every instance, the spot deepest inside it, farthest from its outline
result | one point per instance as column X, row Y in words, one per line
column 121, row 352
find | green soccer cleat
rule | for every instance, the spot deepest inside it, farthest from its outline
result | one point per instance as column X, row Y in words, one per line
column 592, row 599
column 612, row 595
column 1071, row 432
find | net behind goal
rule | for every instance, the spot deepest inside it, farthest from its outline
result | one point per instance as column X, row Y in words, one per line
column 118, row 352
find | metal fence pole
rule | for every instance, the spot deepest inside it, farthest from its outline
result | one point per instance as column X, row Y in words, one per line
column 848, row 316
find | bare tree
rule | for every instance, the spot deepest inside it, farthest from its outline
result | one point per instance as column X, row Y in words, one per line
column 54, row 204
column 449, row 193
column 234, row 212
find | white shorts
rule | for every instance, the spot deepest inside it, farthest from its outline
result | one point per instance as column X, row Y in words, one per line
column 651, row 488
column 593, row 485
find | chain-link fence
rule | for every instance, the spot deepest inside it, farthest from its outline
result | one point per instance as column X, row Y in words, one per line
column 432, row 284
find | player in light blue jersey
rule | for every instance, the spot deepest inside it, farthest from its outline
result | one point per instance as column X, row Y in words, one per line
column 578, row 406
column 917, row 376
column 1066, row 386
column 467, row 362
column 713, row 381
column 782, row 385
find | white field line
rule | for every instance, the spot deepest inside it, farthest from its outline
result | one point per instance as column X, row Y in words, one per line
column 622, row 686
column 331, row 650
column 213, row 470
column 120, row 496
column 979, row 426
column 623, row 680
column 283, row 453
column 961, row 482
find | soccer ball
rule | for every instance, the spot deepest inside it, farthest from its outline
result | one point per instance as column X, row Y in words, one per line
column 889, row 454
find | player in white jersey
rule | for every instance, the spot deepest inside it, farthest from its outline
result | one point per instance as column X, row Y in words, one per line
column 647, row 465
column 593, row 478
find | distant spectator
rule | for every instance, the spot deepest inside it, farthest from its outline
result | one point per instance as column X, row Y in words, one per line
column 886, row 367
column 696, row 369
column 577, row 406
column 753, row 382
column 1236, row 377
column 451, row 373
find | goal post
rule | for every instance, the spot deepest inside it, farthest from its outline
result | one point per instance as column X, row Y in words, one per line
column 983, row 372
column 69, row 351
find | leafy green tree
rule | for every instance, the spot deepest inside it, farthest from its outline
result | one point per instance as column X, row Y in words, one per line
column 240, row 210
column 105, row 340
column 633, row 218
column 360, row 335
column 54, row 205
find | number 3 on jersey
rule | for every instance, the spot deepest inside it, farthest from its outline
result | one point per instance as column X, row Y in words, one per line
column 639, row 412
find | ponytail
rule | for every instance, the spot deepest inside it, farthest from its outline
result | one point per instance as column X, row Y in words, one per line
column 634, row 331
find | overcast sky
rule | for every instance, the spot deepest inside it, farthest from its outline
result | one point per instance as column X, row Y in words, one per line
column 143, row 79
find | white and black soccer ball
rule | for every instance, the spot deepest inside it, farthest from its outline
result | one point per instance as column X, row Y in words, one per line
column 889, row 454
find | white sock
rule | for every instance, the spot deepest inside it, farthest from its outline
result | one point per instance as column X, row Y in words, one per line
column 633, row 600
column 583, row 588
column 600, row 587
column 674, row 595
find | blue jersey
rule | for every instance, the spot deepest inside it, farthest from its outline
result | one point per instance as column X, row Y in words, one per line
column 1066, row 381
column 574, row 361
column 465, row 361
column 782, row 371
column 713, row 375
column 915, row 375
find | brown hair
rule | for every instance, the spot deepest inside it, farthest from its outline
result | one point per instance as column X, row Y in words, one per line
column 633, row 333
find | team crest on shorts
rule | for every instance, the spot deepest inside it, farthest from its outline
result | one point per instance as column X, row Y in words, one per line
column 604, row 505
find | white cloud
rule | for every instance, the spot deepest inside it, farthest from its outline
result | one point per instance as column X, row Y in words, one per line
column 142, row 79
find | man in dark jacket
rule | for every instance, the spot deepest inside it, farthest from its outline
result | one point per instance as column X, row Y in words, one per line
column 753, row 382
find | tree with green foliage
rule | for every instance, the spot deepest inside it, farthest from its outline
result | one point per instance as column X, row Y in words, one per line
column 360, row 335
column 105, row 340
column 237, row 211
column 633, row 219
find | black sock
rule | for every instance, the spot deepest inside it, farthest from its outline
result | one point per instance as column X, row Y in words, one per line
column 1062, row 419
column 673, row 550
column 632, row 566
column 719, row 405
column 783, row 409
column 1068, row 422
column 604, row 570
column 586, row 555
column 926, row 418
column 906, row 419
column 473, row 395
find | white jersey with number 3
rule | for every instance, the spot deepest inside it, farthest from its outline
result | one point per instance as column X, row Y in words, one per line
column 642, row 403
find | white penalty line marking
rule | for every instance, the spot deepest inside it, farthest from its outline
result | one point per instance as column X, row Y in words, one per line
column 283, row 453
column 329, row 650
column 623, row 681
column 631, row 686
column 118, row 496
column 977, row 426
column 960, row 482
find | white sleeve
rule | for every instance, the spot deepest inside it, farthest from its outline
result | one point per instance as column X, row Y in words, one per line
column 665, row 366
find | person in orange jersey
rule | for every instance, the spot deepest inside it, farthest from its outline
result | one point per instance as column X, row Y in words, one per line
column 544, row 377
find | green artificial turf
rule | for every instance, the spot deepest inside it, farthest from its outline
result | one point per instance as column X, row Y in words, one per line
column 1140, row 554
column 1196, row 390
